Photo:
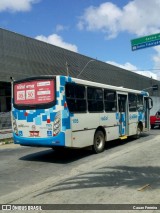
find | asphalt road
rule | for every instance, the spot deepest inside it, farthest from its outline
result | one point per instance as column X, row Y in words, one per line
column 118, row 175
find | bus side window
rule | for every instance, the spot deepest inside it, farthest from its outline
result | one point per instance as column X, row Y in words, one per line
column 80, row 98
column 76, row 97
column 110, row 101
column 132, row 100
column 140, row 103
column 95, row 99
column 70, row 91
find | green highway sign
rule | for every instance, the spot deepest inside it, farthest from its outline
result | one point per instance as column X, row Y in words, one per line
column 146, row 41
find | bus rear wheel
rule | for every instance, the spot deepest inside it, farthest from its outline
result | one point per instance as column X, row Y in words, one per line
column 99, row 142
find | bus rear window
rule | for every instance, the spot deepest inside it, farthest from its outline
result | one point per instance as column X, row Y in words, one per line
column 34, row 92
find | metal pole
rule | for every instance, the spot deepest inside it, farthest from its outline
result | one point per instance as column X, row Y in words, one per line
column 67, row 68
column 84, row 67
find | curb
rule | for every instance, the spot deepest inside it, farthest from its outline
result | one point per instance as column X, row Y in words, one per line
column 5, row 142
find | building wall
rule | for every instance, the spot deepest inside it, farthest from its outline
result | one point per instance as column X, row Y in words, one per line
column 156, row 105
column 5, row 96
column 22, row 57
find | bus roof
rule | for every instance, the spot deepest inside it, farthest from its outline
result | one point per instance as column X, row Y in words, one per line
column 117, row 88
column 92, row 83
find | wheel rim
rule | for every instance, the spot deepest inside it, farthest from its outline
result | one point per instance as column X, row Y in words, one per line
column 99, row 141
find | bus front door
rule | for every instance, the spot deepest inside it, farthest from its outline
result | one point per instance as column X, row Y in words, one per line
column 123, row 115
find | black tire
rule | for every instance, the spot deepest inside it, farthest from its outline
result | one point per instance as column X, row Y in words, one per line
column 152, row 126
column 138, row 132
column 99, row 142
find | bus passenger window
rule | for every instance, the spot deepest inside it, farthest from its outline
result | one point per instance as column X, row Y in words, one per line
column 95, row 99
column 76, row 97
column 140, row 103
column 69, row 90
column 132, row 99
column 110, row 101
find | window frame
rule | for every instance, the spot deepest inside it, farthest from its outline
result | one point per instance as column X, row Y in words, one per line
column 74, row 98
column 138, row 106
column 99, row 88
column 115, row 101
column 130, row 93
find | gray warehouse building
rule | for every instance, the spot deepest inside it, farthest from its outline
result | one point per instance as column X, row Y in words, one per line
column 21, row 57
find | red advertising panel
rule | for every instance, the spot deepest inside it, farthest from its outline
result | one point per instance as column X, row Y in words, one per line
column 34, row 92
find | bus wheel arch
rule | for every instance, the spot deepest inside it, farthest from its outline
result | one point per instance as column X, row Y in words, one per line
column 99, row 140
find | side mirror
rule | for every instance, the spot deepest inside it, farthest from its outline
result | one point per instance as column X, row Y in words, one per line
column 150, row 103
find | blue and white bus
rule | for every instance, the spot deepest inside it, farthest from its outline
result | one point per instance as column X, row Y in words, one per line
column 61, row 111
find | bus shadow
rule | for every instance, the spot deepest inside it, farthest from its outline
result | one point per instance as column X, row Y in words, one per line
column 64, row 156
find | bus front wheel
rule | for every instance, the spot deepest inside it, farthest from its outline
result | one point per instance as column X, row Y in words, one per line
column 99, row 142
column 139, row 131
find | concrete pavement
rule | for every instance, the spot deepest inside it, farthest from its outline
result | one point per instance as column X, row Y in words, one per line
column 127, row 174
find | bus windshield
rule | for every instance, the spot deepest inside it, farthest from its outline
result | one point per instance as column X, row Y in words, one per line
column 34, row 92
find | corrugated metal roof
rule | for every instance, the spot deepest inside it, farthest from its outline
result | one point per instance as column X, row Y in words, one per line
column 21, row 56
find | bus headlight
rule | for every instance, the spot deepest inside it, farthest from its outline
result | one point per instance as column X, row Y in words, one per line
column 15, row 129
column 57, row 124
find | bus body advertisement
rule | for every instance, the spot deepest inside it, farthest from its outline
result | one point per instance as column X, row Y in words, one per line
column 60, row 111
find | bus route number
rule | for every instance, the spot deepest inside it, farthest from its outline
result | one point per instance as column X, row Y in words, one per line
column 75, row 121
column 21, row 95
column 30, row 94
